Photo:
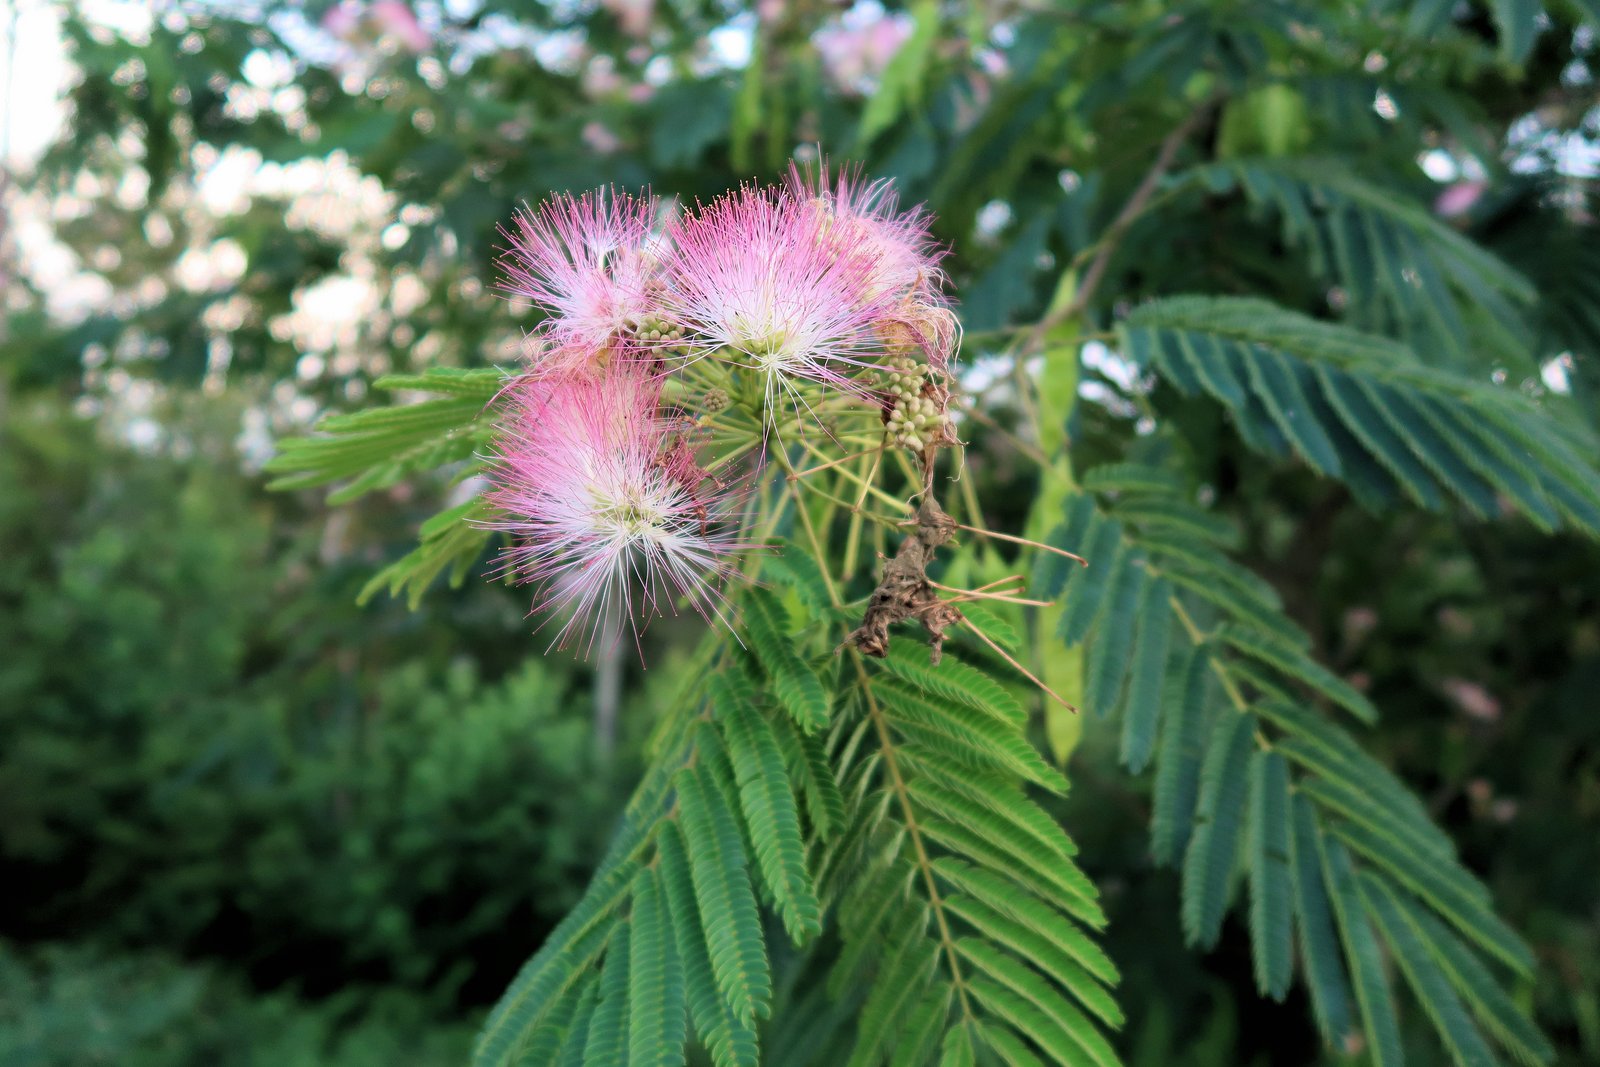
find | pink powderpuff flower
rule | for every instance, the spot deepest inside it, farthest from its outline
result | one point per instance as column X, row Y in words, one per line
column 586, row 262
column 905, row 258
column 904, row 255
column 767, row 282
column 610, row 515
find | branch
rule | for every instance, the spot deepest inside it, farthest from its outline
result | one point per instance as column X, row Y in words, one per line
column 1107, row 245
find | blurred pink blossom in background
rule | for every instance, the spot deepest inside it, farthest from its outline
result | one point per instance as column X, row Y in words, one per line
column 854, row 56
column 1473, row 699
column 634, row 17
column 359, row 24
column 1458, row 199
column 599, row 138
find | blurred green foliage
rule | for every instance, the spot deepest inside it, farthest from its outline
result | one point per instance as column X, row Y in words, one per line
column 72, row 1007
column 205, row 744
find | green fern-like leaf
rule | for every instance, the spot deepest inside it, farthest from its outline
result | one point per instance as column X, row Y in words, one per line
column 1466, row 1046
column 1416, row 427
column 1178, row 761
column 795, row 684
column 726, row 901
column 657, row 1020
column 770, row 809
column 1219, row 819
column 730, row 1039
column 1147, row 675
column 1251, row 778
column 1373, row 995
column 1319, row 945
column 608, row 1027
column 1270, row 892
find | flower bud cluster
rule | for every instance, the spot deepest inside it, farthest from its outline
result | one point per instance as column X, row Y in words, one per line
column 916, row 418
column 652, row 330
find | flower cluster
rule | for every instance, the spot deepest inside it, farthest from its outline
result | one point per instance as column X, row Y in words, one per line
column 766, row 303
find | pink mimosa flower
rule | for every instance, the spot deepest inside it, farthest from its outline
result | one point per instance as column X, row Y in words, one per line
column 585, row 261
column 904, row 256
column 610, row 515
column 767, row 282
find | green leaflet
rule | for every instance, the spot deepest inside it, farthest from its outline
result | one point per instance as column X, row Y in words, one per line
column 795, row 570
column 1113, row 640
column 1008, row 1046
column 1491, row 1005
column 1218, row 821
column 795, row 684
column 1373, row 994
column 453, row 539
column 1467, row 1047
column 954, row 680
column 959, row 1050
column 807, row 762
column 1148, row 673
column 1178, row 761
column 868, row 906
column 1015, row 882
column 1319, row 945
column 1108, row 556
column 1174, row 518
column 1053, row 572
column 1449, row 890
column 656, row 1015
column 1017, row 977
column 1275, row 381
column 1323, row 748
column 730, row 1039
column 544, row 1044
column 1270, row 891
column 378, row 447
column 993, row 892
column 1301, row 667
column 904, row 970
column 973, row 736
column 1492, row 458
column 1027, row 943
column 1362, row 408
column 1518, row 24
column 576, row 1039
column 1376, row 433
column 1049, row 1032
column 770, row 812
column 480, row 384
column 607, row 1043
column 726, row 902
column 993, row 626
column 574, row 944
column 923, row 1029
column 901, row 84
column 1131, row 478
